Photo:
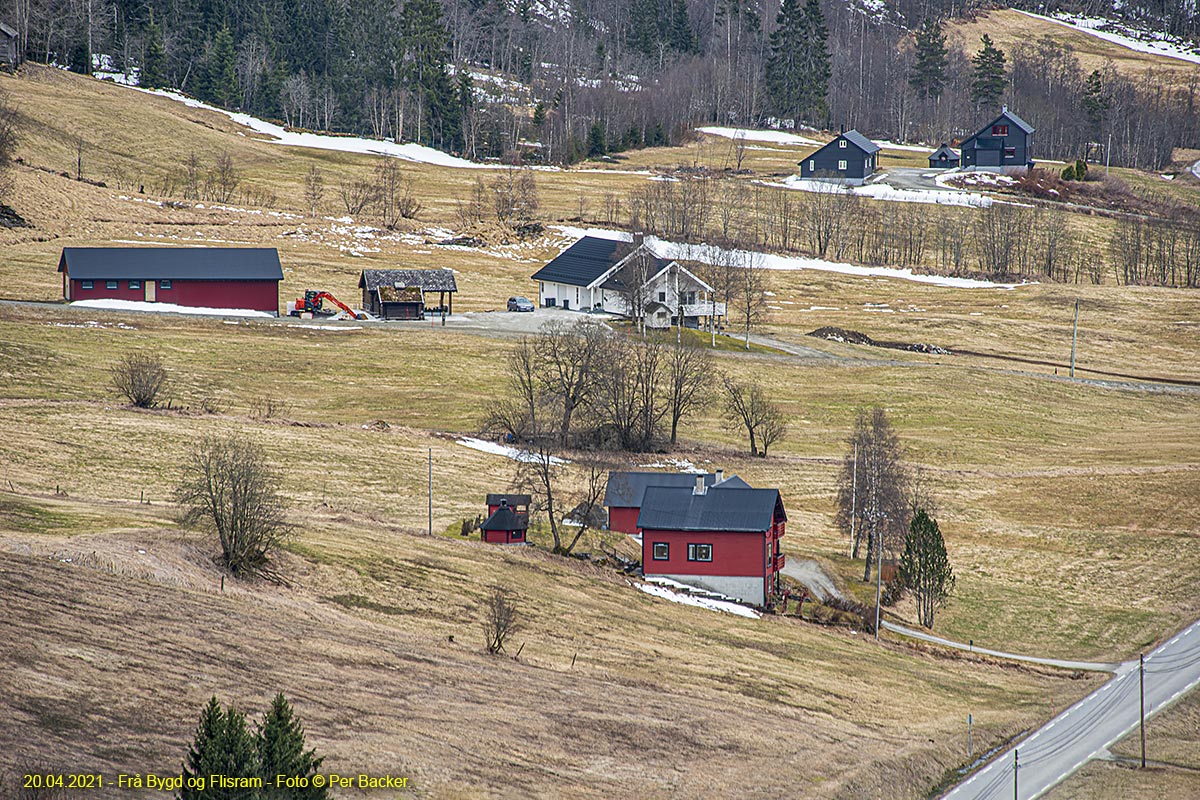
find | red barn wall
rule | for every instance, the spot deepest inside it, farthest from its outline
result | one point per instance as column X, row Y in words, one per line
column 740, row 554
column 623, row 519
column 253, row 295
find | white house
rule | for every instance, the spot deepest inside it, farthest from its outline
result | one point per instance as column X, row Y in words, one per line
column 601, row 275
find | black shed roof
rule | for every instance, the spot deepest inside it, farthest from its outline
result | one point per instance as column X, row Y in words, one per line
column 588, row 259
column 431, row 280
column 946, row 150
column 172, row 263
column 505, row 519
column 727, row 510
column 627, row 489
column 511, row 499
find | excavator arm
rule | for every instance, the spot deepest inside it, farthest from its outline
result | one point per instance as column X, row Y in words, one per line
column 327, row 296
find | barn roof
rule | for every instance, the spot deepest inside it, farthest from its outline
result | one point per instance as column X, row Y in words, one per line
column 431, row 280
column 511, row 499
column 505, row 519
column 1005, row 114
column 626, row 489
column 172, row 263
column 409, row 294
column 728, row 510
column 587, row 260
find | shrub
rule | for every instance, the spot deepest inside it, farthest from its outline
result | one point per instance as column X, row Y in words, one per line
column 1068, row 173
column 141, row 378
column 500, row 618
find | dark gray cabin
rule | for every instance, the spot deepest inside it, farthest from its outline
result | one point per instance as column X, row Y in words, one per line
column 389, row 293
column 1002, row 144
column 10, row 52
column 850, row 158
column 945, row 157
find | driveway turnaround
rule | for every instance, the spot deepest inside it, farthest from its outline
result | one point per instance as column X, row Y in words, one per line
column 1088, row 728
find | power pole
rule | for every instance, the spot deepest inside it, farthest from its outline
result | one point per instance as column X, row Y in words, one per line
column 1142, row 684
column 1108, row 153
column 1016, row 770
column 431, row 491
column 853, row 497
column 1074, row 339
column 970, row 741
column 878, row 578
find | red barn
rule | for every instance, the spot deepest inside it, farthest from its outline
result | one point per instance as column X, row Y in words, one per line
column 200, row 277
column 723, row 540
column 625, row 490
column 505, row 526
column 519, row 503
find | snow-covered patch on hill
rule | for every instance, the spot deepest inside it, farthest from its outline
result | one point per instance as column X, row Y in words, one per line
column 168, row 308
column 774, row 137
column 1196, row 170
column 883, row 191
column 955, row 178
column 709, row 254
column 1142, row 41
column 911, row 148
column 699, row 602
column 514, row 453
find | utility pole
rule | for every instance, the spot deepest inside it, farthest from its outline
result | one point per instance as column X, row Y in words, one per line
column 853, row 497
column 431, row 491
column 878, row 578
column 1142, row 685
column 1108, row 153
column 1016, row 771
column 1074, row 339
column 970, row 741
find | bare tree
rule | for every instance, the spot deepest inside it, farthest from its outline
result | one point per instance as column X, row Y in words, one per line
column 749, row 291
column 629, row 403
column 357, row 194
column 571, row 508
column 501, row 618
column 569, row 358
column 8, row 144
column 632, row 281
column 140, row 378
column 515, row 197
column 224, row 178
column 314, row 188
column 748, row 405
column 229, row 489
column 191, row 177
column 689, row 372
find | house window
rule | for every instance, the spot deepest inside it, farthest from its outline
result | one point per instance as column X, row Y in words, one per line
column 135, row 284
column 164, row 284
column 85, row 284
column 1010, row 152
column 110, row 284
column 812, row 165
column 662, row 297
column 842, row 165
column 842, row 143
column 999, row 130
column 690, row 298
column 662, row 551
column 699, row 552
column 518, row 535
column 866, row 165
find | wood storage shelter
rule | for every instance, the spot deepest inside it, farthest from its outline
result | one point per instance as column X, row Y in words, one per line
column 427, row 281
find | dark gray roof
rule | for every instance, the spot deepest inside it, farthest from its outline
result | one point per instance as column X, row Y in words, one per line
column 1005, row 114
column 667, row 508
column 172, row 263
column 505, row 519
column 513, row 499
column 945, row 148
column 7, row 30
column 861, row 142
column 431, row 280
column 586, row 260
column 626, row 489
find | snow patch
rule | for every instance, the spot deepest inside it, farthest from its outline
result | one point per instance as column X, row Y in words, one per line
column 884, row 191
column 1154, row 43
column 699, row 602
column 774, row 137
column 504, row 450
column 680, row 465
column 169, row 308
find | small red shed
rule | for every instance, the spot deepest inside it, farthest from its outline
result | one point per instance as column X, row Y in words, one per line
column 519, row 503
column 504, row 526
column 724, row 540
column 625, row 490
column 201, row 277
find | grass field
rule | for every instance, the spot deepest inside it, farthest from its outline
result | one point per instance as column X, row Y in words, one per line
column 1070, row 509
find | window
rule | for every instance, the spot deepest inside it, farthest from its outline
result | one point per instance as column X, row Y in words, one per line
column 110, row 284
column 866, row 165
column 999, row 130
column 518, row 535
column 699, row 552
column 85, row 284
column 842, row 143
column 135, row 284
column 842, row 165
column 1010, row 152
column 662, row 551
column 662, row 297
column 812, row 165
column 690, row 298
column 164, row 284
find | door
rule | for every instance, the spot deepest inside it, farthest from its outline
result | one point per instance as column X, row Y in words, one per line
column 150, row 291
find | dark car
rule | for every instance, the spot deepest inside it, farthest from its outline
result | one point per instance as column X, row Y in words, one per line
column 519, row 304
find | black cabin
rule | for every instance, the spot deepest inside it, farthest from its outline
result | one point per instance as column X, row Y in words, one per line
column 1004, row 144
column 850, row 158
column 945, row 157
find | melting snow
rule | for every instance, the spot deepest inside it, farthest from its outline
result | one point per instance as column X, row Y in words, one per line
column 1141, row 41
column 504, row 450
column 699, row 602
column 883, row 191
column 775, row 137
column 169, row 308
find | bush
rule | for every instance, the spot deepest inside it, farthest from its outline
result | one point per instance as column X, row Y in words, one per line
column 229, row 489
column 1068, row 173
column 1081, row 170
column 141, row 378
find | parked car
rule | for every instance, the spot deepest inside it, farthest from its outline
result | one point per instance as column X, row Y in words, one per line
column 519, row 304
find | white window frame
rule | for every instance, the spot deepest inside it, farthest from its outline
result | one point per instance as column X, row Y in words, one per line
column 112, row 284
column 842, row 165
column 86, row 285
column 696, row 551
column 842, row 143
column 666, row 556
column 165, row 284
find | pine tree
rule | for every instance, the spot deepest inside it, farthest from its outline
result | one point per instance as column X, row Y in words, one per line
column 221, row 85
column 154, row 64
column 928, row 76
column 539, row 115
column 280, row 746
column 424, row 41
column 797, row 71
column 1095, row 100
column 222, row 746
column 596, row 141
column 924, row 567
column 987, row 87
column 681, row 38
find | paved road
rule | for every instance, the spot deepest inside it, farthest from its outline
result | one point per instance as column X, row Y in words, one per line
column 913, row 178
column 1087, row 666
column 1087, row 729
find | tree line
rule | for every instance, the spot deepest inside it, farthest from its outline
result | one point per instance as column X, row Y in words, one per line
column 609, row 76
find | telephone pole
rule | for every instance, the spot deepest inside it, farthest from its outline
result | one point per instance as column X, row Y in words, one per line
column 853, row 497
column 1074, row 338
column 431, row 491
column 1016, row 771
column 1142, row 686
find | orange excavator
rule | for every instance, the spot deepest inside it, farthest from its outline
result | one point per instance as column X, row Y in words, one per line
column 313, row 303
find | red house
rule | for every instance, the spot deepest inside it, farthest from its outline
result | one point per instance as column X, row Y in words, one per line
column 504, row 526
column 625, row 490
column 724, row 540
column 519, row 503
column 200, row 277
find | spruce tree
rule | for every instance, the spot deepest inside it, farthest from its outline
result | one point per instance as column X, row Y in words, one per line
column 681, row 38
column 1095, row 100
column 928, row 76
column 424, row 41
column 987, row 87
column 924, row 567
column 152, row 74
column 280, row 746
column 222, row 746
column 221, row 85
column 797, row 71
column 595, row 141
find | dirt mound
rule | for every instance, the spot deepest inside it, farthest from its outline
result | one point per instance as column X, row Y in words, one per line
column 834, row 334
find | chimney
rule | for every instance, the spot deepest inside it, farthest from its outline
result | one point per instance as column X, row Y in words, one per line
column 1004, row 109
column 842, row 128
column 720, row 476
column 639, row 238
column 700, row 487
column 504, row 502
